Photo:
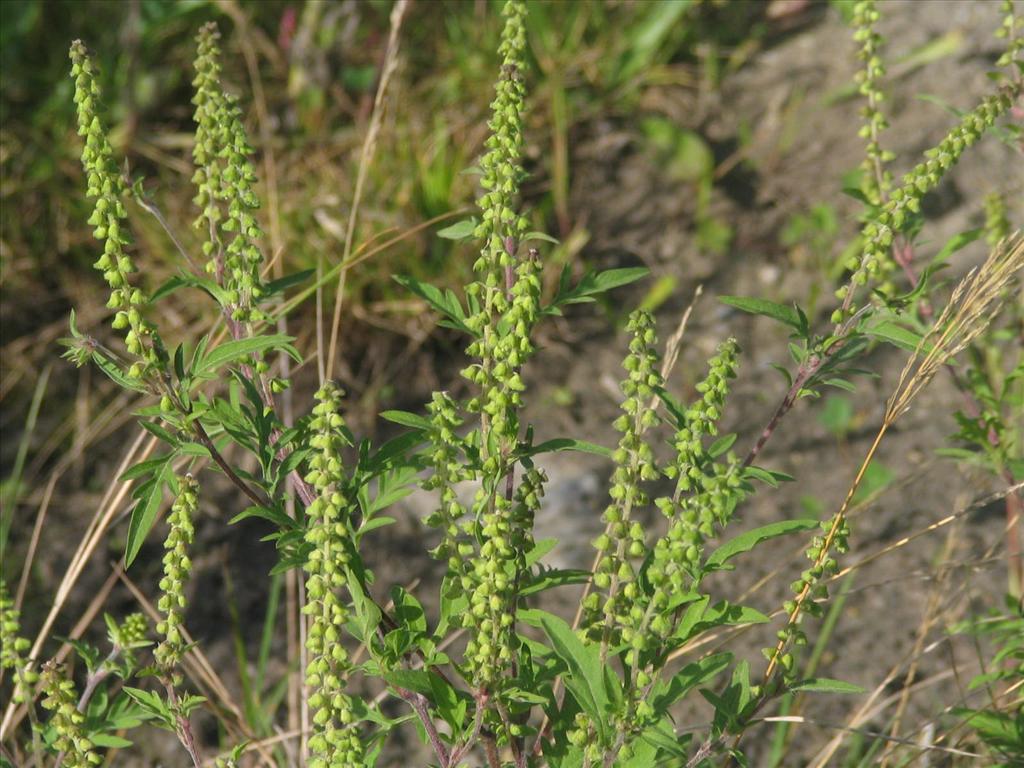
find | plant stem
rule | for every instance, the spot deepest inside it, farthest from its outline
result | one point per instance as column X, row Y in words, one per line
column 807, row 369
column 419, row 705
column 204, row 438
column 183, row 727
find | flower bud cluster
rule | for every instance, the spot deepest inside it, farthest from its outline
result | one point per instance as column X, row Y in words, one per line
column 502, row 348
column 877, row 180
column 706, row 491
column 131, row 632
column 209, row 137
column 878, row 233
column 506, row 535
column 997, row 225
column 107, row 188
column 335, row 740
column 610, row 605
column 509, row 293
column 813, row 580
column 177, row 568
column 13, row 648
column 501, row 165
column 224, row 176
column 1011, row 31
column 585, row 737
column 70, row 736
column 448, row 470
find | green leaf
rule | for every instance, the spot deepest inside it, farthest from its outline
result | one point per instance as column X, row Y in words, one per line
column 837, row 415
column 452, row 704
column 233, row 351
column 658, row 293
column 144, row 468
column 858, row 194
column 825, row 685
column 549, row 579
column 769, row 476
column 149, row 496
column 270, row 514
column 568, row 444
column 417, row 680
column 895, row 334
column 594, row 284
column 367, row 612
column 159, row 432
column 373, row 524
column 408, row 612
column 956, row 243
column 113, row 372
column 460, row 230
column 721, row 445
column 584, row 677
column 754, row 306
column 447, row 303
column 540, row 548
column 153, row 705
column 407, row 419
column 1000, row 730
column 663, row 737
column 668, row 692
column 392, row 487
column 646, row 36
column 747, row 541
column 193, row 281
column 543, row 236
column 109, row 741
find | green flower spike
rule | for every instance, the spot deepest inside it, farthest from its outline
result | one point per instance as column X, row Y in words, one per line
column 706, row 491
column 997, row 225
column 508, row 291
column 503, row 347
column 448, row 470
column 177, row 568
column 210, row 137
column 874, row 262
column 13, row 648
column 624, row 544
column 506, row 536
column 107, row 188
column 876, row 180
column 225, row 185
column 335, row 741
column 1012, row 30
column 67, row 721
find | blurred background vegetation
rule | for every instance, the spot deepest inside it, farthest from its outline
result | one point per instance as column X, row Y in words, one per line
column 307, row 73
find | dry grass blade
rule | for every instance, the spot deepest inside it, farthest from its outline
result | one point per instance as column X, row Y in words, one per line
column 967, row 314
column 365, row 158
column 969, row 311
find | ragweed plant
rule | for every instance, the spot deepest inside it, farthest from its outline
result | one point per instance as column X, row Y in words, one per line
column 876, row 178
column 13, row 648
column 225, row 187
column 334, row 742
column 491, row 676
column 108, row 189
column 177, row 567
column 71, row 740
